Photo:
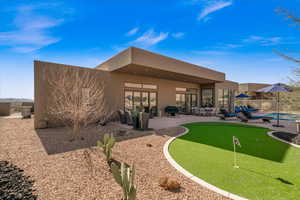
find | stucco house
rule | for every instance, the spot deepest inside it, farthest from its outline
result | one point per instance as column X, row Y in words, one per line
column 136, row 77
column 251, row 88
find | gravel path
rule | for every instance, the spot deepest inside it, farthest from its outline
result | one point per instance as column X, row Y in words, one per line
column 63, row 170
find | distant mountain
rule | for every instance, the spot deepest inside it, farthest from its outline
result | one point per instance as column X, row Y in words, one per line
column 15, row 100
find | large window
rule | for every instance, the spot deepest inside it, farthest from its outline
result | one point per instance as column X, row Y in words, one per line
column 207, row 97
column 140, row 99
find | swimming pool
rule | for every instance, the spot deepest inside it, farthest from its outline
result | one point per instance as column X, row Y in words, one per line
column 284, row 116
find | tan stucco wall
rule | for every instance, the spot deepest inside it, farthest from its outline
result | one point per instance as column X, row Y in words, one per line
column 251, row 87
column 140, row 57
column 42, row 92
column 120, row 60
column 114, row 87
column 4, row 109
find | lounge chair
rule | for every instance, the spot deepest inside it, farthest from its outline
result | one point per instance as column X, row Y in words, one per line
column 251, row 109
column 223, row 114
column 244, row 109
column 245, row 116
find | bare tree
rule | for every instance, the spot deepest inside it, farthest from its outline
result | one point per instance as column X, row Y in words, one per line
column 77, row 98
column 296, row 22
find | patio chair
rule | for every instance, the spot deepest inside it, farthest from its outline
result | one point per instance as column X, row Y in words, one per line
column 245, row 116
column 223, row 114
column 122, row 116
column 237, row 109
column 202, row 112
column 128, row 117
column 251, row 109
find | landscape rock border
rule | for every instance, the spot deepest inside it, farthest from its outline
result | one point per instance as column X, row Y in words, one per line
column 14, row 184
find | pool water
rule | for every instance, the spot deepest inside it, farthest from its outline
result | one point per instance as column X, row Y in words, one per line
column 284, row 116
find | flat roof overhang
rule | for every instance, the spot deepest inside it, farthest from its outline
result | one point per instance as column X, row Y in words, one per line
column 141, row 62
column 163, row 74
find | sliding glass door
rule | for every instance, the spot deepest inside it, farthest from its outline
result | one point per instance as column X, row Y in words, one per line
column 141, row 99
column 185, row 102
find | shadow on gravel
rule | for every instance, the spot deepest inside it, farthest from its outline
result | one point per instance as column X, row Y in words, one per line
column 59, row 140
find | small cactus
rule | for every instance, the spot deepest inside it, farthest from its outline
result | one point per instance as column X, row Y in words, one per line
column 124, row 176
column 107, row 145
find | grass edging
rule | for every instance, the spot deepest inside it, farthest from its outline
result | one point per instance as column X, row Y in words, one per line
column 270, row 133
column 191, row 176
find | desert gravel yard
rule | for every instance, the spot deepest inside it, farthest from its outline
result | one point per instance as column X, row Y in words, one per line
column 75, row 170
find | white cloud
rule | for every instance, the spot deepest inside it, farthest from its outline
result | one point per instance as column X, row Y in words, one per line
column 264, row 41
column 178, row 35
column 150, row 38
column 132, row 31
column 213, row 6
column 31, row 30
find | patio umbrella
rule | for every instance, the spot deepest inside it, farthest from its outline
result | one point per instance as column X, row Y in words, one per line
column 240, row 96
column 276, row 88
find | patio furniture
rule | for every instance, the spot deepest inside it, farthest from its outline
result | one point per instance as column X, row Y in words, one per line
column 202, row 111
column 128, row 117
column 171, row 110
column 195, row 111
column 208, row 111
column 223, row 114
column 245, row 116
column 122, row 116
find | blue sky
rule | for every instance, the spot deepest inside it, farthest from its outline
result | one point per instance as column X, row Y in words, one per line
column 233, row 36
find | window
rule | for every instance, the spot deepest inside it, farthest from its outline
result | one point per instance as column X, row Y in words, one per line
column 128, row 100
column 181, row 89
column 220, row 97
column 226, row 98
column 139, row 85
column 133, row 85
column 180, row 100
column 207, row 97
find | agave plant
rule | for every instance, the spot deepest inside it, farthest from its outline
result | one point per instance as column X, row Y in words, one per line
column 107, row 145
column 124, row 176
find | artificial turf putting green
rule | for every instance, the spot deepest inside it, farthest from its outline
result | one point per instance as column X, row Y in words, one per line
column 269, row 169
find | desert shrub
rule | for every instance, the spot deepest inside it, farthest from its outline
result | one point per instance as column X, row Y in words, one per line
column 169, row 184
column 107, row 144
column 124, row 176
column 163, row 182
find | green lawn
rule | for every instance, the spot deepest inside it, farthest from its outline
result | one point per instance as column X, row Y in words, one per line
column 269, row 169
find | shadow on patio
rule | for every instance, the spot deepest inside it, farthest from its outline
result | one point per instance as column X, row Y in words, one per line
column 253, row 139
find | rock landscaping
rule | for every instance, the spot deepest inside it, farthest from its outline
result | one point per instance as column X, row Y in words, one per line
column 14, row 184
column 64, row 170
column 289, row 137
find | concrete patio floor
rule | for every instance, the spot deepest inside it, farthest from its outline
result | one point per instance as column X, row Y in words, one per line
column 167, row 122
